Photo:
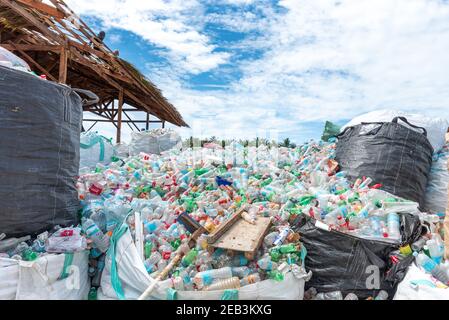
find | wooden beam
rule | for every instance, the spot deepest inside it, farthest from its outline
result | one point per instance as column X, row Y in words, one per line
column 31, row 47
column 31, row 18
column 42, row 7
column 37, row 65
column 119, row 122
column 115, row 121
column 63, row 66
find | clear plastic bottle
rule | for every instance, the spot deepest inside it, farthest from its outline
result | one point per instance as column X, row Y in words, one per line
column 383, row 295
column 94, row 233
column 351, row 296
column 394, row 226
column 334, row 295
column 241, row 272
column 206, row 278
column 226, row 284
column 251, row 279
column 431, row 267
column 266, row 264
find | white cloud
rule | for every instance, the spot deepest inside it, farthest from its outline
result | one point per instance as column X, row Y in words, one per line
column 172, row 25
column 322, row 60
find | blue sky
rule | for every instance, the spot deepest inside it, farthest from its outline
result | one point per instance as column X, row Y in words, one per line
column 270, row 68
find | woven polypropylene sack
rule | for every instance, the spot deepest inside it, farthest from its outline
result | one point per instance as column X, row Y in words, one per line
column 391, row 154
column 39, row 153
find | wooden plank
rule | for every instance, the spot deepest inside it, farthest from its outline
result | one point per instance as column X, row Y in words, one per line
column 31, row 47
column 225, row 226
column 63, row 66
column 244, row 237
column 42, row 7
column 119, row 119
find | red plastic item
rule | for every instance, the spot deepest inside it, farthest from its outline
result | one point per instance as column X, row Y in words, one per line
column 95, row 189
column 67, row 233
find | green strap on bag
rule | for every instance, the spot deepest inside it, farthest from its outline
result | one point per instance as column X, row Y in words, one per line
column 68, row 260
column 93, row 142
column 172, row 294
column 230, row 295
column 115, row 279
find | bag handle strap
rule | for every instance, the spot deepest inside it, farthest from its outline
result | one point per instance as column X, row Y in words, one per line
column 90, row 95
column 403, row 119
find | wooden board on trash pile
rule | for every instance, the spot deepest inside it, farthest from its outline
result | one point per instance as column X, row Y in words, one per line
column 243, row 236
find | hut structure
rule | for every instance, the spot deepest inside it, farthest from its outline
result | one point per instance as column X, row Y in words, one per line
column 60, row 45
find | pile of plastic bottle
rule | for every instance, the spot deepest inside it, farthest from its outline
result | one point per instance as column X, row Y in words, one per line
column 210, row 184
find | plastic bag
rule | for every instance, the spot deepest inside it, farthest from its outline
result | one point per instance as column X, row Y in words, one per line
column 435, row 127
column 330, row 130
column 341, row 262
column 10, row 60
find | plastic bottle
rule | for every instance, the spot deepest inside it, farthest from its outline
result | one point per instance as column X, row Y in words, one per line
column 92, row 231
column 282, row 236
column 394, row 226
column 270, row 238
column 383, row 295
column 150, row 263
column 266, row 264
column 351, row 296
column 431, row 267
column 189, row 258
column 241, row 272
column 231, row 283
column 206, row 278
column 334, row 295
column 436, row 248
column 8, row 244
column 251, row 279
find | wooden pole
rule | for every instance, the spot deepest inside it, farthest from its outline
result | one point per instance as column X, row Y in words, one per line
column 63, row 66
column 119, row 114
column 148, row 121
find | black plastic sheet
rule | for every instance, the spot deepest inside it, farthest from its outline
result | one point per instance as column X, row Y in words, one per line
column 391, row 154
column 342, row 262
column 40, row 124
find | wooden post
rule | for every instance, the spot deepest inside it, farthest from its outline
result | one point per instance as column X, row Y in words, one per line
column 148, row 121
column 163, row 124
column 119, row 115
column 63, row 66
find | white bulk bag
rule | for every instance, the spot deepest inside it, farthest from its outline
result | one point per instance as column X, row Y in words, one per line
column 418, row 285
column 154, row 141
column 95, row 149
column 125, row 277
column 51, row 277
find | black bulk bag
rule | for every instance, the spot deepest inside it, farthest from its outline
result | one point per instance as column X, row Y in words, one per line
column 40, row 125
column 391, row 154
column 342, row 262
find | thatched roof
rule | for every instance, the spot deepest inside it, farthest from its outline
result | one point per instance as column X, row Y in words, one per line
column 41, row 32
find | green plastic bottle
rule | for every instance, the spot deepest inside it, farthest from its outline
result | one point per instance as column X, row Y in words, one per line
column 147, row 249
column 189, row 258
column 275, row 255
column 276, row 275
column 92, row 294
column 288, row 248
column 29, row 255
